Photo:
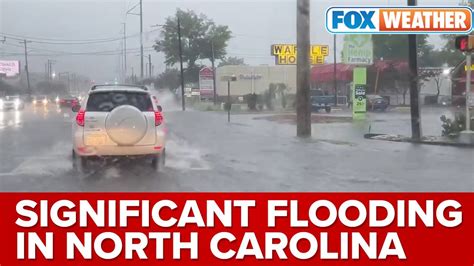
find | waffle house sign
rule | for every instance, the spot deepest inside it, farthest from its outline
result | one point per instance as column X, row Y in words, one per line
column 286, row 54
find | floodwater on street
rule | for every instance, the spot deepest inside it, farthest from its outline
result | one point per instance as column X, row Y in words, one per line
column 205, row 153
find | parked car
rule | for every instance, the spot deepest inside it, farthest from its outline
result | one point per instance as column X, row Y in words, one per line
column 12, row 102
column 376, row 103
column 118, row 121
column 320, row 100
column 445, row 100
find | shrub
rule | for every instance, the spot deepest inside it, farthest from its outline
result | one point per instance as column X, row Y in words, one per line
column 283, row 101
column 252, row 101
column 452, row 127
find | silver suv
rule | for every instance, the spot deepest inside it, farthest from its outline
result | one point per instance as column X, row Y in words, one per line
column 118, row 120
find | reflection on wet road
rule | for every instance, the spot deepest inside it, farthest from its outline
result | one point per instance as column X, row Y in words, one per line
column 207, row 154
column 10, row 119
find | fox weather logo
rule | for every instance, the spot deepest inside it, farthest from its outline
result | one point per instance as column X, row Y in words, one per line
column 392, row 20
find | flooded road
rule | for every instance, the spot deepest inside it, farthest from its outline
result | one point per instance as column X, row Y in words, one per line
column 207, row 154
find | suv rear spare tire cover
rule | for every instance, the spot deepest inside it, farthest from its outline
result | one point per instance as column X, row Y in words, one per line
column 126, row 125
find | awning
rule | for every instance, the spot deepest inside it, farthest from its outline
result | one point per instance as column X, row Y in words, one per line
column 325, row 73
column 400, row 66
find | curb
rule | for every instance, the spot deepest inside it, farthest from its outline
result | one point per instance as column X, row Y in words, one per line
column 425, row 142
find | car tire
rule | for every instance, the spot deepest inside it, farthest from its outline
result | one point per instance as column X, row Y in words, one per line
column 158, row 161
column 79, row 163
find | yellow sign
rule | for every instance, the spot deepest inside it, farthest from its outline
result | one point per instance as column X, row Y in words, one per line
column 465, row 67
column 286, row 54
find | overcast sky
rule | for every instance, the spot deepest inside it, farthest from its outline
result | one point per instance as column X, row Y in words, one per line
column 255, row 26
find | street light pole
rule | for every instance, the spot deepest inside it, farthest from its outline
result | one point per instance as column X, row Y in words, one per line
column 50, row 69
column 213, row 73
column 468, row 89
column 141, row 38
column 149, row 65
column 335, row 71
column 229, row 105
column 125, row 50
column 303, row 106
column 183, row 103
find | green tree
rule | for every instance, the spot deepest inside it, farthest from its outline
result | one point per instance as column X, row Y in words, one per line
column 199, row 34
column 449, row 53
column 395, row 47
column 232, row 61
column 168, row 79
column 6, row 88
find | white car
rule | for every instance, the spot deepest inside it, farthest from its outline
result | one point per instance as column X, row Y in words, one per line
column 118, row 120
column 11, row 102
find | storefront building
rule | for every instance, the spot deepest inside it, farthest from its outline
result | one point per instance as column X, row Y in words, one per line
column 255, row 79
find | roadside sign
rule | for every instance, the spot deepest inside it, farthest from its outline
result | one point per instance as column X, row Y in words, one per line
column 9, row 68
column 286, row 54
column 358, row 50
column 206, row 84
column 359, row 93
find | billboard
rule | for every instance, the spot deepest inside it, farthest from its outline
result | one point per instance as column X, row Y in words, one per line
column 9, row 68
column 206, row 84
column 358, row 50
column 286, row 54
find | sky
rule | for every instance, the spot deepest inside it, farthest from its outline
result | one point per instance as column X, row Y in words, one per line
column 255, row 26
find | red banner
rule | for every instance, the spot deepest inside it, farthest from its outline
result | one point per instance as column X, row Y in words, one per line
column 244, row 228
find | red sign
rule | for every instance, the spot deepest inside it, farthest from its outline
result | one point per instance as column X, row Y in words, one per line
column 237, row 228
column 206, row 82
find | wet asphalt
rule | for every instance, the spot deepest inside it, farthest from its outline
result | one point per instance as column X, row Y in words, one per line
column 205, row 153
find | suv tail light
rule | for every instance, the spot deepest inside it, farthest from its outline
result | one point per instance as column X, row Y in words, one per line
column 80, row 118
column 158, row 118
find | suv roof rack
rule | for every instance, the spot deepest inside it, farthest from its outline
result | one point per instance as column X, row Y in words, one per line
column 120, row 85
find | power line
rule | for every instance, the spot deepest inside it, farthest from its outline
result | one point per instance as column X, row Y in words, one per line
column 62, row 52
column 60, row 40
column 69, row 42
column 105, row 53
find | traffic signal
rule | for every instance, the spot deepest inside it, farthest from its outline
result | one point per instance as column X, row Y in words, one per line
column 465, row 43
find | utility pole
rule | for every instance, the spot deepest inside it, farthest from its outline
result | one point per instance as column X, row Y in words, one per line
column 26, row 66
column 229, row 104
column 149, row 65
column 213, row 59
column 125, row 50
column 414, row 94
column 50, row 69
column 183, row 103
column 133, row 75
column 73, row 88
column 141, row 38
column 468, row 89
column 335, row 71
column 50, row 63
column 303, row 106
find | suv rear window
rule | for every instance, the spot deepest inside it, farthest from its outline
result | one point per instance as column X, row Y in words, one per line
column 107, row 101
